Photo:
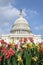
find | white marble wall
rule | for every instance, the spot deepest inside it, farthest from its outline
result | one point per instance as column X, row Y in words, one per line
column 8, row 38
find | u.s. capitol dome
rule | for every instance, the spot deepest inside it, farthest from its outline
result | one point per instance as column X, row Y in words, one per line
column 21, row 26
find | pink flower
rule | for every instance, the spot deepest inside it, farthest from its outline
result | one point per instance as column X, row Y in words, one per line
column 25, row 40
column 12, row 52
column 9, row 45
column 31, row 39
column 41, row 49
column 16, row 45
column 9, row 53
column 41, row 42
column 3, row 50
column 3, row 42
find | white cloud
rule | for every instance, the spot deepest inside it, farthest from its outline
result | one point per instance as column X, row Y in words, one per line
column 5, row 2
column 1, row 31
column 39, row 27
column 8, row 12
column 6, row 23
column 31, row 13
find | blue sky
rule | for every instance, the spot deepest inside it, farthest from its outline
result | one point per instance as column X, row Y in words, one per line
column 32, row 10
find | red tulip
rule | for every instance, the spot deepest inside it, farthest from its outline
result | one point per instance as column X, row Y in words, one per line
column 41, row 50
column 9, row 45
column 41, row 42
column 3, row 42
column 31, row 39
column 25, row 40
column 41, row 47
column 3, row 50
column 9, row 53
column 16, row 45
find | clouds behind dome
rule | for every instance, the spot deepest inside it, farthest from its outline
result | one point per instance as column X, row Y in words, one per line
column 5, row 2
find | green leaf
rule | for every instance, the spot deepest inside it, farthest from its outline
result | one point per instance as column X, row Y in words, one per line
column 27, row 57
column 8, row 62
column 14, row 60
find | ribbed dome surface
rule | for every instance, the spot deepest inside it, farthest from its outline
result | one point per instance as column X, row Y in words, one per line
column 21, row 26
column 21, row 20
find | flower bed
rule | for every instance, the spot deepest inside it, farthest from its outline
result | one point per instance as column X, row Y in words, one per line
column 26, row 54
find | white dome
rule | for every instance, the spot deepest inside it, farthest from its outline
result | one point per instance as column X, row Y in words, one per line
column 21, row 20
column 21, row 26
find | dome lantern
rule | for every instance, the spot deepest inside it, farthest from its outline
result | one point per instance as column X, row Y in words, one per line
column 20, row 14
